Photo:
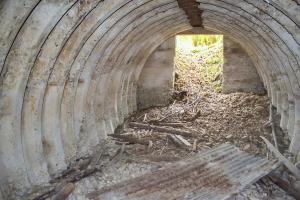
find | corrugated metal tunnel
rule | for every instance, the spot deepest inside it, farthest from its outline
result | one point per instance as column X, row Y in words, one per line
column 69, row 70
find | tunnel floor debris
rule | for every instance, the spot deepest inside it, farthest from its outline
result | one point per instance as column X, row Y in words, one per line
column 146, row 142
column 156, row 137
column 211, row 119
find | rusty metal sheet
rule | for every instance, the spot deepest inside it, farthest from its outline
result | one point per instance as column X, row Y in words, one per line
column 212, row 175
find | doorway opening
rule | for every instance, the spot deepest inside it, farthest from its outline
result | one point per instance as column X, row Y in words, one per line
column 199, row 63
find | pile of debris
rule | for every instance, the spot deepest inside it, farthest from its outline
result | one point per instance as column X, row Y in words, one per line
column 159, row 138
column 198, row 123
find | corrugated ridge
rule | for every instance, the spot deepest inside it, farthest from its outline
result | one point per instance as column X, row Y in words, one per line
column 214, row 174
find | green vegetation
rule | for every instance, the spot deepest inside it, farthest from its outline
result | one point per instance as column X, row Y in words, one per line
column 199, row 62
column 205, row 40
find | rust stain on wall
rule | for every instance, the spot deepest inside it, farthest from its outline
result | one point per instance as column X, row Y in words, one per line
column 193, row 12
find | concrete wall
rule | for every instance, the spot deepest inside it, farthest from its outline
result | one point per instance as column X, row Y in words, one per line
column 239, row 72
column 69, row 71
column 157, row 79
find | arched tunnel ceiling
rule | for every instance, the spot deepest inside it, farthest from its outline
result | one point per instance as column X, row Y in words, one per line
column 69, row 70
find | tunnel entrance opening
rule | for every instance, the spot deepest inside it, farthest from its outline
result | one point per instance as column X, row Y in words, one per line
column 237, row 115
column 199, row 63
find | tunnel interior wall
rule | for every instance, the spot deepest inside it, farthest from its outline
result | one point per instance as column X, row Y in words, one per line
column 69, row 71
column 239, row 72
column 156, row 81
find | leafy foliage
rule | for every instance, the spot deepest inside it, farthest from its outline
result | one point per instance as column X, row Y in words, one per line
column 201, row 40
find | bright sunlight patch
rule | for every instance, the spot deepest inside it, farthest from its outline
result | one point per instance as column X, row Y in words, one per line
column 199, row 62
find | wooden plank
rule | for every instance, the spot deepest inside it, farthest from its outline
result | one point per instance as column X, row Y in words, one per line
column 293, row 169
column 163, row 129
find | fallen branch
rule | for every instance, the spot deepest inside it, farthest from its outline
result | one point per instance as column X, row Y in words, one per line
column 179, row 141
column 83, row 174
column 130, row 139
column 172, row 124
column 281, row 158
column 81, row 165
column 83, row 168
column 163, row 129
column 64, row 192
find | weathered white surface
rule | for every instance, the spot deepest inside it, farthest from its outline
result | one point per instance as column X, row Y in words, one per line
column 239, row 72
column 156, row 80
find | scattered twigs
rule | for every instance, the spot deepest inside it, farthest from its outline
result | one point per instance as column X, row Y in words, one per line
column 281, row 158
column 163, row 129
column 80, row 165
column 195, row 101
column 161, row 158
column 62, row 186
column 130, row 139
column 193, row 130
column 273, row 126
column 172, row 124
column 195, row 116
column 83, row 174
column 45, row 195
column 167, row 116
column 284, row 184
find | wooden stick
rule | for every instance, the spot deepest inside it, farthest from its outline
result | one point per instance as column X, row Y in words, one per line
column 172, row 124
column 64, row 192
column 195, row 145
column 282, row 159
column 130, row 138
column 178, row 140
column 163, row 129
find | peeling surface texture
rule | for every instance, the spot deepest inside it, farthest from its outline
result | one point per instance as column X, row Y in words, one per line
column 69, row 70
column 213, row 175
column 193, row 13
